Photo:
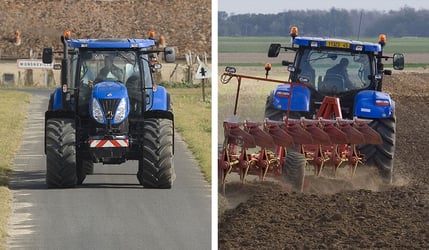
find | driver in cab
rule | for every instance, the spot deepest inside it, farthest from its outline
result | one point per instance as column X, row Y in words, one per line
column 341, row 70
column 109, row 71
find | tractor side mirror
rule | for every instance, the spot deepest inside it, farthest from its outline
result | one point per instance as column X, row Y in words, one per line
column 230, row 70
column 274, row 50
column 169, row 54
column 48, row 55
column 398, row 61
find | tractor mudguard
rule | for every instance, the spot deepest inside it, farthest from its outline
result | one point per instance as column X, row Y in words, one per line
column 161, row 99
column 300, row 97
column 373, row 104
column 159, row 114
column 57, row 99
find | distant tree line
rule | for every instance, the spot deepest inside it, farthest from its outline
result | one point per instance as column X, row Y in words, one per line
column 334, row 23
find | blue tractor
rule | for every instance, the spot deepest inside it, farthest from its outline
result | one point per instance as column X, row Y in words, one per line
column 331, row 112
column 352, row 72
column 109, row 110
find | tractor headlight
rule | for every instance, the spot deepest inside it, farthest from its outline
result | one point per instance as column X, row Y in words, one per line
column 121, row 111
column 97, row 111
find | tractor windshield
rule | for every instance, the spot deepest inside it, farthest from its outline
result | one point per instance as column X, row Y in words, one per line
column 97, row 66
column 124, row 67
column 334, row 71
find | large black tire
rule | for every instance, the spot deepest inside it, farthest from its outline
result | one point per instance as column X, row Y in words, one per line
column 276, row 114
column 271, row 112
column 156, row 169
column 83, row 167
column 382, row 156
column 294, row 170
column 294, row 166
column 60, row 153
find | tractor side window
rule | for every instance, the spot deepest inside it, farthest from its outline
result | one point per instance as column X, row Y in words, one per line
column 72, row 72
column 306, row 73
column 364, row 69
column 85, row 77
column 147, row 75
column 87, row 69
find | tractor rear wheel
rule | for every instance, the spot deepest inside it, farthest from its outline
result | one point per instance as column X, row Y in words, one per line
column 381, row 156
column 277, row 114
column 271, row 112
column 294, row 170
column 156, row 169
column 60, row 145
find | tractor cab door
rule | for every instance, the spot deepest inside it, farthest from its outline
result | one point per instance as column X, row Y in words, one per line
column 139, row 83
column 140, row 86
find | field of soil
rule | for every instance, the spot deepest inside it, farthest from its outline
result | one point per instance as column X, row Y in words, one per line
column 362, row 213
column 184, row 23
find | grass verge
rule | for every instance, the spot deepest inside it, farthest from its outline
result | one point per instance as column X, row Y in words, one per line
column 192, row 119
column 13, row 109
column 261, row 44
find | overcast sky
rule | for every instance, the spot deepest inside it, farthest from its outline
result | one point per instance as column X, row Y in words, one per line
column 276, row 6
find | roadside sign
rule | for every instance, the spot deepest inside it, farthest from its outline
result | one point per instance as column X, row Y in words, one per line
column 32, row 64
column 202, row 72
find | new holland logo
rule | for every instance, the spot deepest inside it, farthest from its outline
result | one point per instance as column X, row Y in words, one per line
column 109, row 95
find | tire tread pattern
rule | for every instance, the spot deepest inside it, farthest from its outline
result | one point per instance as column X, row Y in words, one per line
column 294, row 170
column 60, row 153
column 156, row 169
column 382, row 156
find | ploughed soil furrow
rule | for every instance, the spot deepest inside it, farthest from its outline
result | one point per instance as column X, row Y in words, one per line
column 338, row 213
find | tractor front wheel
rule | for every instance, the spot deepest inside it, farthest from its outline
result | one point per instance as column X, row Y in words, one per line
column 271, row 112
column 156, row 169
column 60, row 145
column 294, row 170
column 381, row 156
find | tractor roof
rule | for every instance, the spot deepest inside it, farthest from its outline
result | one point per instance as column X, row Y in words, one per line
column 317, row 42
column 111, row 43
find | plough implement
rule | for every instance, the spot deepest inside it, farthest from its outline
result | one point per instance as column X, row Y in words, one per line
column 327, row 140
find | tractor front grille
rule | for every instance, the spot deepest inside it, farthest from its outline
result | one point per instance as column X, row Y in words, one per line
column 109, row 107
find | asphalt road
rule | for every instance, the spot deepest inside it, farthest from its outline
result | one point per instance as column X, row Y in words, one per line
column 110, row 210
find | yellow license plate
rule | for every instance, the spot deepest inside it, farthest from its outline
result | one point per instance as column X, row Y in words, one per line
column 335, row 44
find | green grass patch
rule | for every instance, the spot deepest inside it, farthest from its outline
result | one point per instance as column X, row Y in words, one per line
column 413, row 65
column 192, row 119
column 13, row 110
column 261, row 44
column 251, row 102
